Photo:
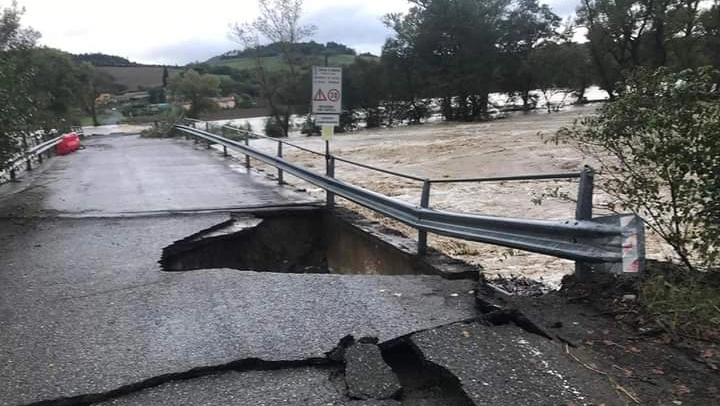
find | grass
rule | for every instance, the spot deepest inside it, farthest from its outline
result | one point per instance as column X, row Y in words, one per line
column 682, row 302
column 87, row 121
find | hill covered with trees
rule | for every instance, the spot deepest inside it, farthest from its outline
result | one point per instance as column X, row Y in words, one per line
column 278, row 48
column 100, row 59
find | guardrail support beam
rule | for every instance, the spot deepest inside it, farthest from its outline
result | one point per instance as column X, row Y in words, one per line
column 424, row 203
column 247, row 157
column 280, row 171
column 583, row 211
column 330, row 172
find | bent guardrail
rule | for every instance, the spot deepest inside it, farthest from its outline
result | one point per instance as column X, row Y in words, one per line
column 613, row 244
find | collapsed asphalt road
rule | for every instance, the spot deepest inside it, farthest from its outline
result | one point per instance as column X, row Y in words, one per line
column 87, row 315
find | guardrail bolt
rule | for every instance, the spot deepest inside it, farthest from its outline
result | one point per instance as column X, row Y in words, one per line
column 583, row 211
column 424, row 203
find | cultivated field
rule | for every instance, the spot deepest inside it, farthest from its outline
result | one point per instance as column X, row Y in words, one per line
column 275, row 63
column 137, row 77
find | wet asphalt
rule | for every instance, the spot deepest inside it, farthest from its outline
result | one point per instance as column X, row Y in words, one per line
column 86, row 309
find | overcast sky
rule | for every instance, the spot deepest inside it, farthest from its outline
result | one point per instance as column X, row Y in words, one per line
column 182, row 31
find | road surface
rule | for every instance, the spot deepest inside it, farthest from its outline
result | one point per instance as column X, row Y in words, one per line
column 87, row 315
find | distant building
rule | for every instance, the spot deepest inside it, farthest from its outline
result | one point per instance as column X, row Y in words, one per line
column 134, row 97
column 103, row 99
column 224, row 102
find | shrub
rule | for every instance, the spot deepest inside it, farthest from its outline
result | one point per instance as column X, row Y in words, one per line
column 273, row 128
column 658, row 146
column 164, row 127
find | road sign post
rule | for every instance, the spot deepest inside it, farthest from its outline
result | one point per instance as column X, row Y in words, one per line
column 327, row 98
column 327, row 106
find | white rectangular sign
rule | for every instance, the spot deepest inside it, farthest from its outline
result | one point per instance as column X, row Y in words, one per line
column 327, row 119
column 327, row 90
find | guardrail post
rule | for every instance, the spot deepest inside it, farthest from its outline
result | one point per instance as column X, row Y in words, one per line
column 26, row 146
column 247, row 157
column 330, row 172
column 583, row 211
column 13, row 174
column 424, row 203
column 280, row 171
column 225, row 151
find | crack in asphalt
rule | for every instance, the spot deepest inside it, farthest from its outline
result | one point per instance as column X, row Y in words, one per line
column 241, row 365
column 333, row 358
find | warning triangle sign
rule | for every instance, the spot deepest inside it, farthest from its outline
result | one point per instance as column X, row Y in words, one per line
column 320, row 96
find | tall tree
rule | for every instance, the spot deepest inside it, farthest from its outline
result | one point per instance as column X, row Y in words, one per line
column 93, row 83
column 165, row 77
column 16, row 108
column 197, row 89
column 560, row 68
column 364, row 88
column 527, row 26
column 278, row 23
column 55, row 90
column 455, row 41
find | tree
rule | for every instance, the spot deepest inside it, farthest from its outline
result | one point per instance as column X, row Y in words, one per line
column 709, row 28
column 93, row 83
column 614, row 28
column 278, row 23
column 55, row 88
column 627, row 34
column 659, row 152
column 527, row 26
column 16, row 109
column 364, row 88
column 563, row 67
column 197, row 89
column 459, row 49
column 165, row 77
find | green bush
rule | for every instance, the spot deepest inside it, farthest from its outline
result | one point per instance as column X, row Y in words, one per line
column 164, row 127
column 273, row 128
column 658, row 146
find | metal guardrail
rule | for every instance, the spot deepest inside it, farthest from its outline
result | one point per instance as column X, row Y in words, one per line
column 27, row 156
column 614, row 243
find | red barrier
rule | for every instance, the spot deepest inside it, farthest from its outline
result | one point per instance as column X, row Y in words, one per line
column 70, row 143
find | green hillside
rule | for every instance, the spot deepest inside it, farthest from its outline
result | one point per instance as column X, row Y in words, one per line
column 275, row 63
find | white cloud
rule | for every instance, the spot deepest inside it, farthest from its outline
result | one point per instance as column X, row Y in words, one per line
column 181, row 31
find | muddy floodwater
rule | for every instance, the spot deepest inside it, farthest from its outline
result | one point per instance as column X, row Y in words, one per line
column 513, row 146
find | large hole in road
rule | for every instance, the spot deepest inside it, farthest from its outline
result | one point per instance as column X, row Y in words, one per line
column 307, row 239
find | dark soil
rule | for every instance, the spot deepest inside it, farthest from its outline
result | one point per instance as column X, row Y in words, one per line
column 605, row 327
